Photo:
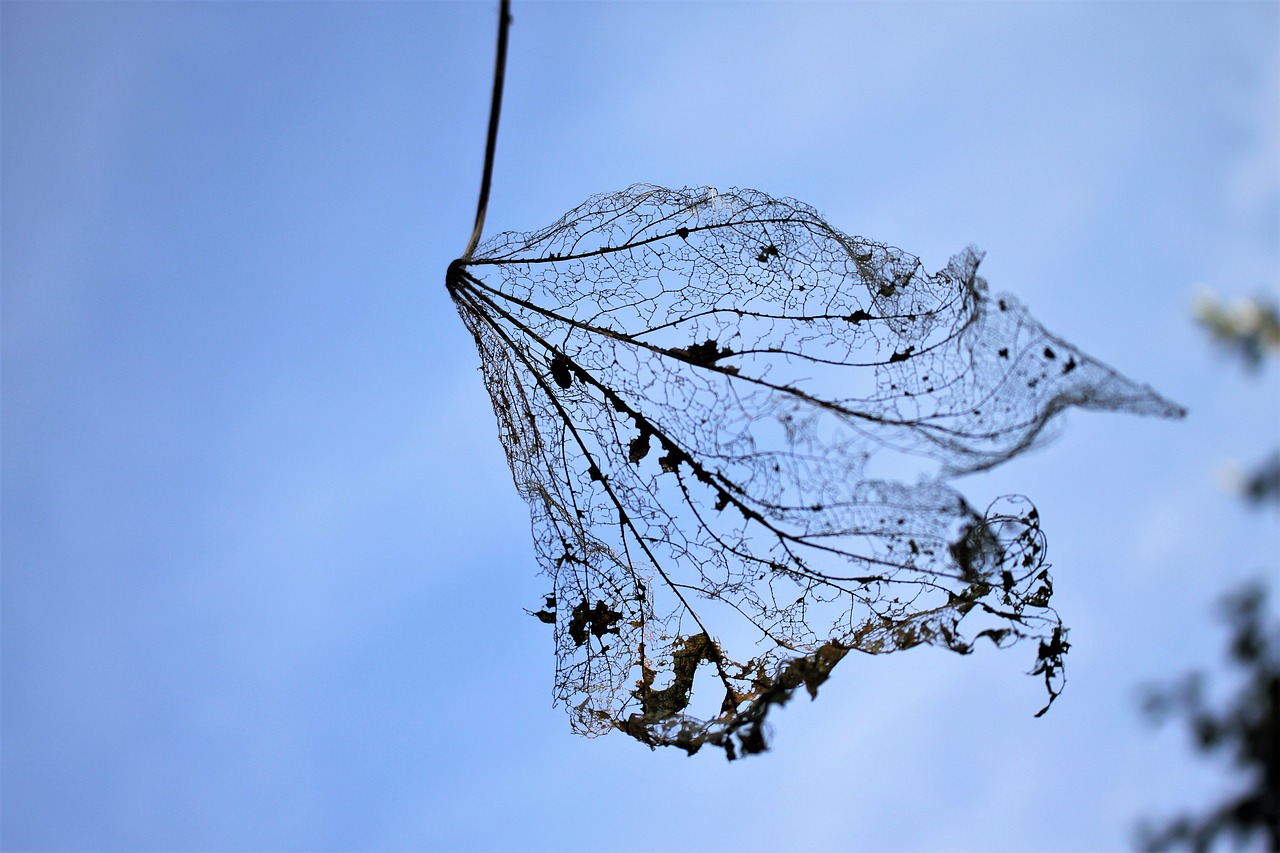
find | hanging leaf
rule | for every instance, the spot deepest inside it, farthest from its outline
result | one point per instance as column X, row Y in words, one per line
column 735, row 427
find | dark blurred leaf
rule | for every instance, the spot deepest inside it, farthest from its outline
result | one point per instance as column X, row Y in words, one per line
column 1262, row 484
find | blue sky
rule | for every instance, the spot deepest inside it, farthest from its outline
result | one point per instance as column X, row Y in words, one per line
column 263, row 563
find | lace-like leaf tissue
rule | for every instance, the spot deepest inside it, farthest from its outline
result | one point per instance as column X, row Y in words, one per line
column 736, row 429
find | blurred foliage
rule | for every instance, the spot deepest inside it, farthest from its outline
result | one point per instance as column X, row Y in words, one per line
column 1247, row 728
column 1249, row 327
column 1263, row 485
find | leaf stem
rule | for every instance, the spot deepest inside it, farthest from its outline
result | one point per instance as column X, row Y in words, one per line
column 499, row 72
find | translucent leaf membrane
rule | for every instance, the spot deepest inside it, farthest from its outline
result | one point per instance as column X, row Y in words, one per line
column 691, row 387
